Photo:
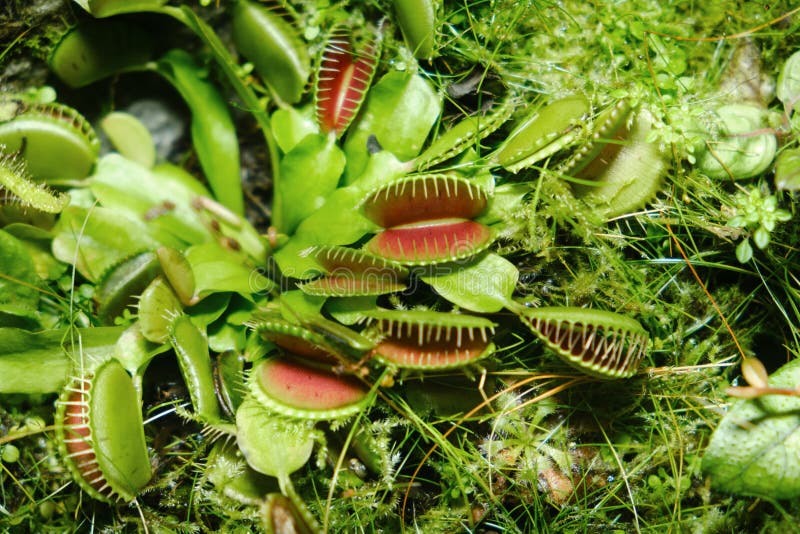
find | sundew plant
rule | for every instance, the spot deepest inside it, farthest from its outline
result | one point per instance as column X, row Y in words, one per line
column 399, row 266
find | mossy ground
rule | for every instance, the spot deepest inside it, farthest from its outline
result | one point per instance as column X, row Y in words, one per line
column 555, row 452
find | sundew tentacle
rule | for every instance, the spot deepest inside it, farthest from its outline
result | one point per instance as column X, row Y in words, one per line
column 18, row 187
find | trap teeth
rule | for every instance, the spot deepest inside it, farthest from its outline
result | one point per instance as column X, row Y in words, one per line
column 352, row 272
column 431, row 242
column 296, row 388
column 342, row 80
column 599, row 343
column 101, row 434
column 429, row 340
column 427, row 220
column 426, row 197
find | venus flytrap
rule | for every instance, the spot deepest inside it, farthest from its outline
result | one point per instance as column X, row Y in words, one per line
column 543, row 132
column 343, row 78
column 81, row 56
column 35, row 130
column 597, row 342
column 465, row 134
column 197, row 264
column 121, row 283
column 274, row 46
column 427, row 219
column 742, row 149
column 101, row 435
column 428, row 341
column 353, row 273
column 418, row 21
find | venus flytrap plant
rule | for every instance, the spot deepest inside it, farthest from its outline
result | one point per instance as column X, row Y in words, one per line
column 353, row 272
column 36, row 130
column 427, row 219
column 275, row 48
column 366, row 233
column 427, row 340
column 597, row 342
column 542, row 133
column 465, row 134
column 101, row 434
column 343, row 78
column 418, row 21
column 741, row 151
column 122, row 282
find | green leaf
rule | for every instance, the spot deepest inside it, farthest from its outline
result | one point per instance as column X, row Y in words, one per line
column 213, row 132
column 130, row 137
column 755, row 450
column 272, row 444
column 41, row 362
column 351, row 310
column 126, row 186
column 788, row 87
column 338, row 221
column 400, row 111
column 95, row 239
column 761, row 237
column 290, row 126
column 19, row 293
column 107, row 8
column 82, row 55
column 209, row 309
column 787, row 168
column 38, row 243
column 484, row 286
column 191, row 349
column 134, row 352
column 295, row 305
column 744, row 251
column 225, row 337
column 217, row 269
column 734, row 155
column 309, row 173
